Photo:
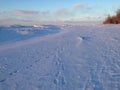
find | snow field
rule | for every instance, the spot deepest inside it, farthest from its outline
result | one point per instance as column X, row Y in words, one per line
column 76, row 58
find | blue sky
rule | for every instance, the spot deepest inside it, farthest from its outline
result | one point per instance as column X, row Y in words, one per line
column 42, row 11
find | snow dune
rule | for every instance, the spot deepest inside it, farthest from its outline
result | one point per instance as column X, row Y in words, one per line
column 76, row 58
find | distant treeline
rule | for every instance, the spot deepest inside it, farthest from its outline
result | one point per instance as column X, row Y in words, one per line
column 113, row 19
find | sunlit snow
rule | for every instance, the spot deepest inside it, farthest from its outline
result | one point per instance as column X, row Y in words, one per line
column 60, row 57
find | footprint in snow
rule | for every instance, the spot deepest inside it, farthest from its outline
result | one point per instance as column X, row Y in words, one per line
column 2, row 80
column 15, row 71
column 115, row 39
column 59, row 79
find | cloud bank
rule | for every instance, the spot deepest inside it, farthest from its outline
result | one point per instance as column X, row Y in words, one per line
column 76, row 13
column 22, row 12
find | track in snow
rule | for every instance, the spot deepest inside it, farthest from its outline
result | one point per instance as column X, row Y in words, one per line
column 75, row 59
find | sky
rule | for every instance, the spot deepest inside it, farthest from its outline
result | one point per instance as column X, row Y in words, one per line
column 30, row 12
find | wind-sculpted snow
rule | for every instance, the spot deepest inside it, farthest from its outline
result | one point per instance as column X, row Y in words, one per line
column 76, row 58
column 19, row 33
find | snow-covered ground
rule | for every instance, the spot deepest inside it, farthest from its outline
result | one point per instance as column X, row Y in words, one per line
column 77, row 57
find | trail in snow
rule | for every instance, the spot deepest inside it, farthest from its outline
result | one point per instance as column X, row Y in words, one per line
column 74, row 59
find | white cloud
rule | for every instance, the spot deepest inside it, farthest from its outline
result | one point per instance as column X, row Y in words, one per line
column 62, row 12
column 23, row 12
column 79, row 5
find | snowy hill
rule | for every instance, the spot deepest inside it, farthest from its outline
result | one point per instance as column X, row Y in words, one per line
column 76, row 57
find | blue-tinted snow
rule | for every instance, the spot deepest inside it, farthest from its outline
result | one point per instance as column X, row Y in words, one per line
column 19, row 32
column 76, row 58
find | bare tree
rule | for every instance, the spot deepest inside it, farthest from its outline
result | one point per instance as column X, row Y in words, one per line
column 108, row 20
column 114, row 19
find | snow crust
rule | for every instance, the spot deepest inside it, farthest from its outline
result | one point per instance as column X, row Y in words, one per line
column 78, row 57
